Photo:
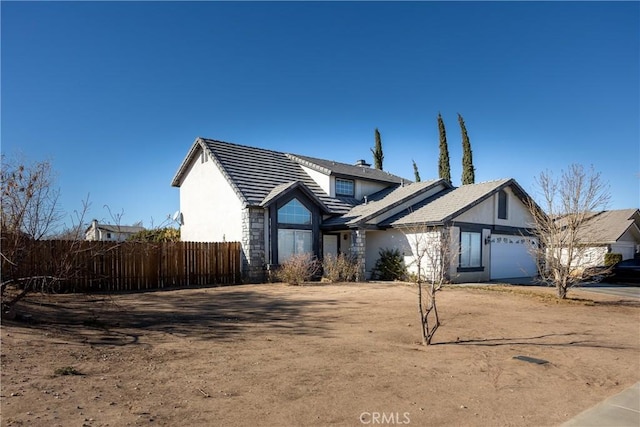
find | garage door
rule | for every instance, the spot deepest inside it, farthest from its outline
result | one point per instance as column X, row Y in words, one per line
column 511, row 257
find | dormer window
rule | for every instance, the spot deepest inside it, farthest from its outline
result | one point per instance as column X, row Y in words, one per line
column 344, row 187
column 502, row 204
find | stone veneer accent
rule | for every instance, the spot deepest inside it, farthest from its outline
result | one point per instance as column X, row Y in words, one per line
column 358, row 250
column 253, row 249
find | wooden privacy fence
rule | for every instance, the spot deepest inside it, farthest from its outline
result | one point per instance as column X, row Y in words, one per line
column 90, row 266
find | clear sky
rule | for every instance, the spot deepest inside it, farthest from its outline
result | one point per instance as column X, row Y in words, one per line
column 115, row 93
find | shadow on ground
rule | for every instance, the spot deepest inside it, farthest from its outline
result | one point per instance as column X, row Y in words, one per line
column 196, row 314
column 541, row 341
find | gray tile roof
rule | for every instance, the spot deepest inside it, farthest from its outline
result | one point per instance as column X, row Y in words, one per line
column 259, row 175
column 382, row 201
column 609, row 226
column 254, row 172
column 331, row 167
column 448, row 204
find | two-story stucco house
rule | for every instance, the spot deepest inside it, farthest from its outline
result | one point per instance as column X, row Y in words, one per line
column 277, row 204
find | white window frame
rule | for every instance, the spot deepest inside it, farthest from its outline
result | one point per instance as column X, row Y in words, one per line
column 341, row 182
column 470, row 249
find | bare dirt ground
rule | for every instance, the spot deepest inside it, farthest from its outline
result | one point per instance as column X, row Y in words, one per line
column 276, row 355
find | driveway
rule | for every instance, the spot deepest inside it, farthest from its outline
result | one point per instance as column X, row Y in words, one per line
column 626, row 291
column 617, row 289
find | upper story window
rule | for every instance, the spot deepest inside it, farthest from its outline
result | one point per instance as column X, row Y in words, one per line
column 344, row 187
column 502, row 204
column 294, row 212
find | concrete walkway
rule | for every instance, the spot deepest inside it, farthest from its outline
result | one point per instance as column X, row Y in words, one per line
column 621, row 410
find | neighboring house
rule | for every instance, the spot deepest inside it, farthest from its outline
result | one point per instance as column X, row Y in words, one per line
column 111, row 233
column 615, row 231
column 278, row 204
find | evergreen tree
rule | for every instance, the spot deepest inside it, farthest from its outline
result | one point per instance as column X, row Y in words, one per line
column 416, row 174
column 468, row 171
column 377, row 152
column 444, row 169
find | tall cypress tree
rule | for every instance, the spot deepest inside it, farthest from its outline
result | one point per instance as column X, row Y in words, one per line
column 444, row 169
column 377, row 151
column 468, row 171
column 416, row 174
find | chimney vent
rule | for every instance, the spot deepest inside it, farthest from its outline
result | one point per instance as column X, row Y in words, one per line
column 362, row 163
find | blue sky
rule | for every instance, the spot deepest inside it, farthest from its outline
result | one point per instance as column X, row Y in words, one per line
column 115, row 93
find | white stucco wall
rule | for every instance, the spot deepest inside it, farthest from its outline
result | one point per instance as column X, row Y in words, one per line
column 323, row 180
column 627, row 249
column 426, row 251
column 210, row 208
column 410, row 246
column 487, row 212
column 364, row 188
column 587, row 257
column 626, row 245
column 378, row 239
column 328, row 184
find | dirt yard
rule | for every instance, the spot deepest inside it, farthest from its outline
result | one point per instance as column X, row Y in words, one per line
column 345, row 355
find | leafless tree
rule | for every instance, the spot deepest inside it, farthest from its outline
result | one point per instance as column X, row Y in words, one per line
column 565, row 205
column 432, row 254
column 30, row 203
column 29, row 211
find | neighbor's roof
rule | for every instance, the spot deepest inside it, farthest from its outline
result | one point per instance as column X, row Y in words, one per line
column 383, row 201
column 254, row 172
column 446, row 205
column 118, row 228
column 609, row 226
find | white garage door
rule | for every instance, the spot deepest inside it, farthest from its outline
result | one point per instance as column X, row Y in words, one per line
column 511, row 257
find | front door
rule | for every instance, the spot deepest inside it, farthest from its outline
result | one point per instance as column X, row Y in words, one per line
column 330, row 245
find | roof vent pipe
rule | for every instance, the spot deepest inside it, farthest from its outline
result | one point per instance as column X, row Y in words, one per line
column 365, row 200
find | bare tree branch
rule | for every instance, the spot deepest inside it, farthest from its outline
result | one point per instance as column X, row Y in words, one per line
column 566, row 204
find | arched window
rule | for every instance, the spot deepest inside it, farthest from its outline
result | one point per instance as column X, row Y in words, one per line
column 294, row 212
column 294, row 230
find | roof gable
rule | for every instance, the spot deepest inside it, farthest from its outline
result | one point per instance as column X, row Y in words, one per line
column 253, row 172
column 283, row 189
column 609, row 226
column 449, row 204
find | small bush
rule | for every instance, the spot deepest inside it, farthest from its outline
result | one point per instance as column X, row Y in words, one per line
column 298, row 269
column 390, row 265
column 612, row 258
column 341, row 268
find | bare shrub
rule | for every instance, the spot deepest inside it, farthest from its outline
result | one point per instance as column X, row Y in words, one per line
column 299, row 268
column 433, row 253
column 560, row 221
column 341, row 268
